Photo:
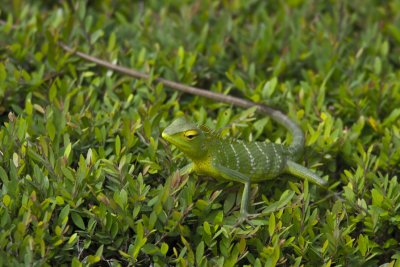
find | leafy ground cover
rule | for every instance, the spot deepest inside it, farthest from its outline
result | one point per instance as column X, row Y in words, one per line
column 85, row 178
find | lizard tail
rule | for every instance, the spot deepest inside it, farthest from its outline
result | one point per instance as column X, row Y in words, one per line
column 297, row 146
column 302, row 172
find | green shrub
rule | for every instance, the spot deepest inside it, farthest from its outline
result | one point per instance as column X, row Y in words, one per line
column 85, row 178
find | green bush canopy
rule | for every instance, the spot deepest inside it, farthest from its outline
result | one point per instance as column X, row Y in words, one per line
column 86, row 179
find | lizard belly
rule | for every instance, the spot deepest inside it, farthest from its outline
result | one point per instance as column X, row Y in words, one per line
column 205, row 167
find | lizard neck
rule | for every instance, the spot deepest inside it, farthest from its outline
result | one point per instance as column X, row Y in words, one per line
column 203, row 161
column 201, row 153
column 204, row 166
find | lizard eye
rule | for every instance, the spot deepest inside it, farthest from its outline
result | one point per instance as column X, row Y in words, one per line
column 190, row 134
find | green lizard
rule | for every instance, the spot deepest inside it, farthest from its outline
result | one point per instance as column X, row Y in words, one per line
column 231, row 160
column 236, row 160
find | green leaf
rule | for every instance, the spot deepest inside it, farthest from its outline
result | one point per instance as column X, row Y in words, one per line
column 53, row 92
column 75, row 262
column 284, row 200
column 117, row 146
column 199, row 253
column 93, row 259
column 111, row 42
column 15, row 159
column 63, row 217
column 73, row 238
column 99, row 251
column 78, row 221
column 207, row 228
column 393, row 116
column 377, row 197
column 6, row 200
column 140, row 240
column 51, row 130
column 96, row 35
column 223, row 118
column 269, row 88
column 362, row 244
column 3, row 176
column 229, row 202
column 164, row 248
column 377, row 66
column 22, row 127
column 271, row 224
column 67, row 151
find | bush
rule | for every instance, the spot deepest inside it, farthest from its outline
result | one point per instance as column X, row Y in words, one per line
column 87, row 180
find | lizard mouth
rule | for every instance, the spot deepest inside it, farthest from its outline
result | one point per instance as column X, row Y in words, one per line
column 167, row 137
column 182, row 146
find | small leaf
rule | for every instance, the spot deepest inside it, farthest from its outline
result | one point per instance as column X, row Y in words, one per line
column 78, row 221
column 223, row 118
column 59, row 200
column 99, row 251
column 377, row 197
column 22, row 127
column 325, row 246
column 53, row 92
column 111, row 41
column 16, row 159
column 378, row 66
column 362, row 244
column 3, row 176
column 75, row 262
column 67, row 151
column 269, row 88
column 164, row 248
column 51, row 130
column 242, row 245
column 64, row 214
column 385, row 48
column 117, row 145
column 93, row 259
column 72, row 238
column 140, row 240
column 207, row 229
column 96, row 35
column 6, row 200
column 394, row 115
column 199, row 253
column 271, row 224
column 285, row 198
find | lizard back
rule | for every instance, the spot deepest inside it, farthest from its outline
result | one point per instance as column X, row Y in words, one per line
column 257, row 160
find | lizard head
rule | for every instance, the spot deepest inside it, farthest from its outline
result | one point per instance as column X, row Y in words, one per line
column 187, row 137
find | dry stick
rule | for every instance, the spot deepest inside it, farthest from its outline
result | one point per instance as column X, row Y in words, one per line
column 297, row 133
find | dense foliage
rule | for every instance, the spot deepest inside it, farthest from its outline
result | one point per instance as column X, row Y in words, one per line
column 85, row 177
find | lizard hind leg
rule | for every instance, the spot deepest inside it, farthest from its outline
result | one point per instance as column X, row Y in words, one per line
column 236, row 176
column 244, row 205
column 304, row 173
